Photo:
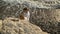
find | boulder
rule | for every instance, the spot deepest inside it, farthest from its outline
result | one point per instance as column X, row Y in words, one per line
column 17, row 26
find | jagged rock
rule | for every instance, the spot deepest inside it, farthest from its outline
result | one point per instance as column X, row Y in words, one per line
column 19, row 27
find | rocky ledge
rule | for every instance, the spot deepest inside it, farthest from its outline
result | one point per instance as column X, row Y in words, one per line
column 16, row 26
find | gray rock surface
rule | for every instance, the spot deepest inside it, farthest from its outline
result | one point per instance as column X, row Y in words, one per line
column 46, row 19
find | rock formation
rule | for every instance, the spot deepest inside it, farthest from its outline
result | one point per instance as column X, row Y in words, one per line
column 46, row 16
column 17, row 26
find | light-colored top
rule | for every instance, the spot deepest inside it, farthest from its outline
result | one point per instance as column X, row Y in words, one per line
column 27, row 15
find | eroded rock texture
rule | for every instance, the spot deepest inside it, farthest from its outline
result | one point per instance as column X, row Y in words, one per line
column 48, row 19
column 16, row 26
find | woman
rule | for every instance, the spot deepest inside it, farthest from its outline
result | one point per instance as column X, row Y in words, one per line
column 25, row 14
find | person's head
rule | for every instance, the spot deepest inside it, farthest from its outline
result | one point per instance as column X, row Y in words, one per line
column 25, row 9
